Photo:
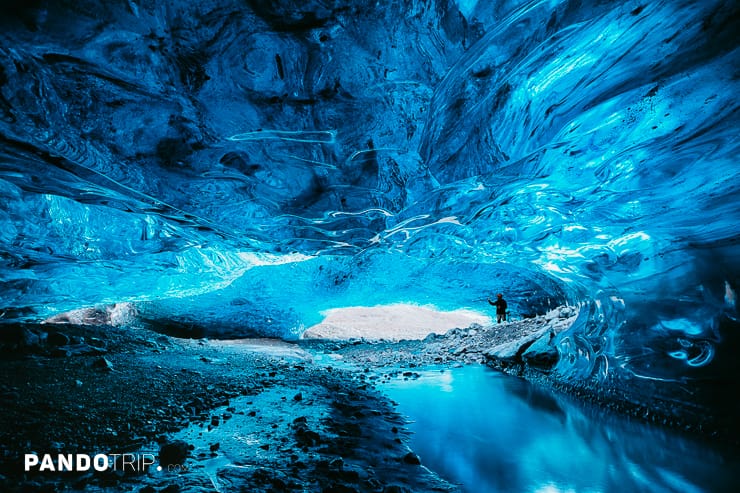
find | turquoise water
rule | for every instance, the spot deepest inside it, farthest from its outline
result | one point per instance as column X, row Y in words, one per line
column 490, row 432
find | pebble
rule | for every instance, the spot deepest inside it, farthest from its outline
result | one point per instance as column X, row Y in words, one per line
column 412, row 459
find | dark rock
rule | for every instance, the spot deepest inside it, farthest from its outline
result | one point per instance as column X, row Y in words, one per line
column 32, row 340
column 278, row 484
column 411, row 458
column 196, row 404
column 103, row 364
column 173, row 453
column 351, row 429
column 541, row 354
column 57, row 339
column 298, row 397
column 215, row 446
column 372, row 484
column 306, row 437
column 348, row 475
column 173, row 488
column 261, row 476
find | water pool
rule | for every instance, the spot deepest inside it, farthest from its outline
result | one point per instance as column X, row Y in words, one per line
column 490, row 432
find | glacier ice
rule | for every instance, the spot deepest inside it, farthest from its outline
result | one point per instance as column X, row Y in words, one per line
column 239, row 167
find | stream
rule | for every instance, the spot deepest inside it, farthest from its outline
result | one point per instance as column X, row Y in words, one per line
column 490, row 432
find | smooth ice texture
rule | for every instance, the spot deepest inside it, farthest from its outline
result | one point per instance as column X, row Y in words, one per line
column 237, row 167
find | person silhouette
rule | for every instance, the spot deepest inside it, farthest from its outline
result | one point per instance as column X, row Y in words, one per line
column 500, row 305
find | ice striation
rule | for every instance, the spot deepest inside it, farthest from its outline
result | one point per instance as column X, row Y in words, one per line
column 237, row 167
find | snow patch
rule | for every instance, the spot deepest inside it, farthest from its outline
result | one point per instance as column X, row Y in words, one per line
column 391, row 322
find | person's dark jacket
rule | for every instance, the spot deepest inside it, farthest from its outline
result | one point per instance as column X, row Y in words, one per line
column 500, row 305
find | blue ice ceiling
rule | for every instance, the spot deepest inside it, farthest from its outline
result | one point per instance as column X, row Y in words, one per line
column 246, row 164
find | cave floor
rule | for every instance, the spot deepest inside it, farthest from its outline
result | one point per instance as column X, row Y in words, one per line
column 252, row 414
column 311, row 427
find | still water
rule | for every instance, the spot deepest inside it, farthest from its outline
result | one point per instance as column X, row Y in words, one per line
column 489, row 432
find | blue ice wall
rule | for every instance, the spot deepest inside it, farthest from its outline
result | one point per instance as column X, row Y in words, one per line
column 241, row 166
column 283, row 300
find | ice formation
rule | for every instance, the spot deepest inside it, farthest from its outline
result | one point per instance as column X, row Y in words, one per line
column 242, row 166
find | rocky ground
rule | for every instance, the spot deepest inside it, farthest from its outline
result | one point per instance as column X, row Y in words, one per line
column 81, row 389
column 502, row 345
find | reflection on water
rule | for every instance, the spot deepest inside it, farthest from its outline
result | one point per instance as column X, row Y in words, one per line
column 494, row 433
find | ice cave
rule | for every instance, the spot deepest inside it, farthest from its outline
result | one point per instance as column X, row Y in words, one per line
column 176, row 175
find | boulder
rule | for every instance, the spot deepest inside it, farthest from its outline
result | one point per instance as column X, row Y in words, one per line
column 512, row 351
column 57, row 339
column 103, row 364
column 412, row 459
column 174, row 453
column 31, row 340
column 542, row 353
